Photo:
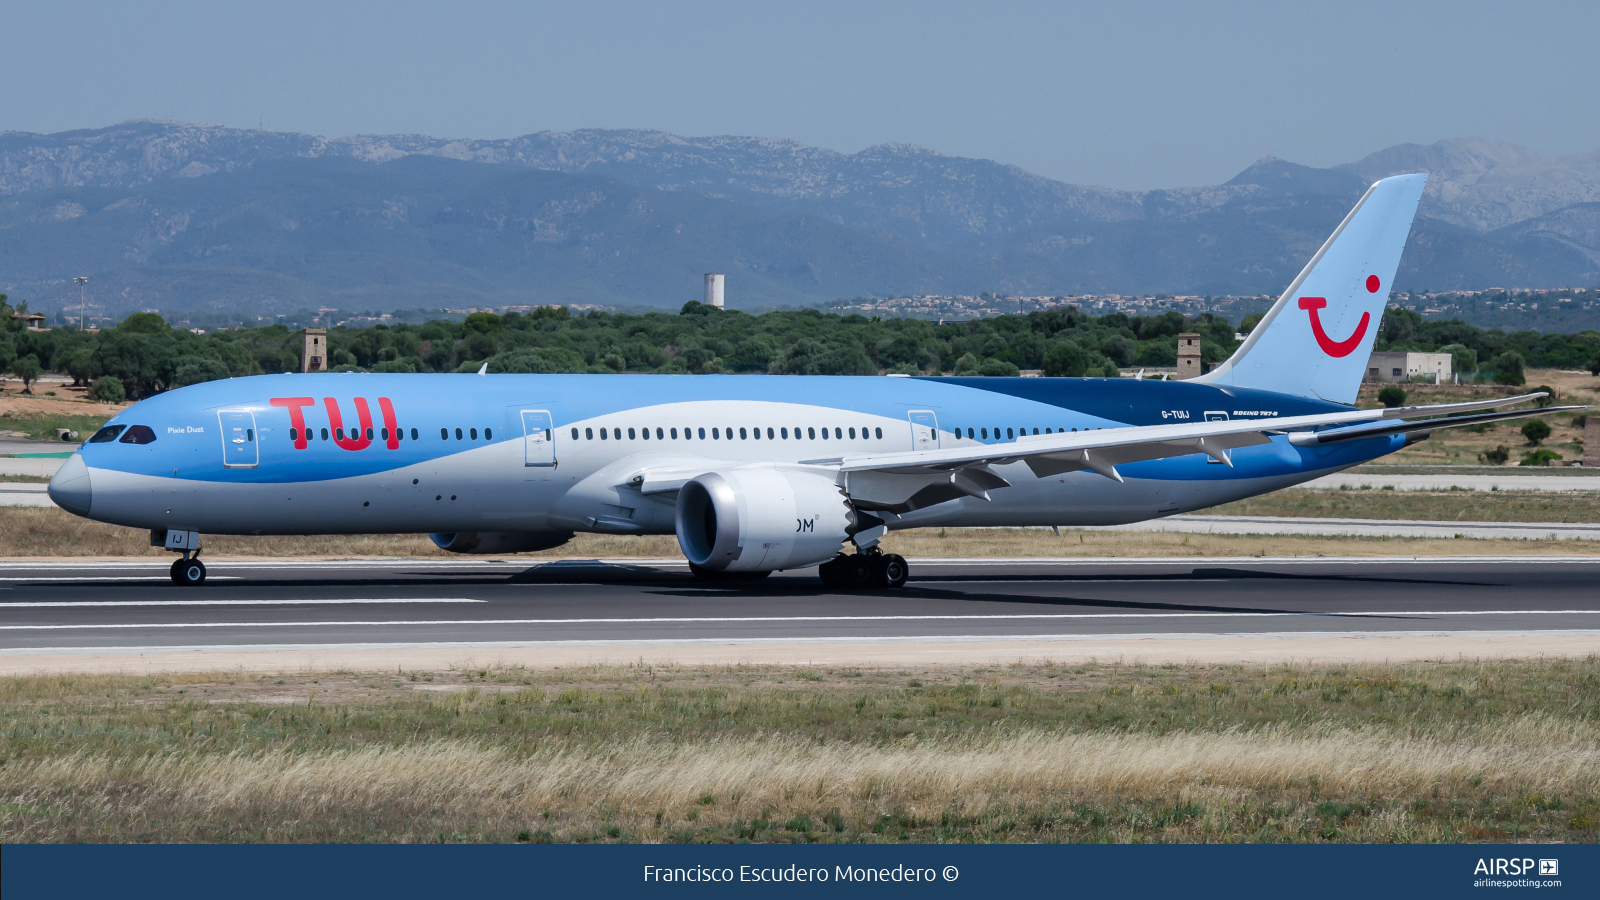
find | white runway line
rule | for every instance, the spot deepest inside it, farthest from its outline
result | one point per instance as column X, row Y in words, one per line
column 918, row 639
column 740, row 620
column 23, row 579
column 72, row 604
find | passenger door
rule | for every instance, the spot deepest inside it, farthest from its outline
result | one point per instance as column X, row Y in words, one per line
column 239, row 449
column 924, row 430
column 538, row 438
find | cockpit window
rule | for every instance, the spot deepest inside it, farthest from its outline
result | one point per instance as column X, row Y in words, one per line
column 138, row 434
column 107, row 434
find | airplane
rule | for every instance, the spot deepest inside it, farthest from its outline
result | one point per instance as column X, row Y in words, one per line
column 760, row 473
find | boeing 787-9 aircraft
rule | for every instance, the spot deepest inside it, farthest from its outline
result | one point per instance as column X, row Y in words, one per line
column 760, row 473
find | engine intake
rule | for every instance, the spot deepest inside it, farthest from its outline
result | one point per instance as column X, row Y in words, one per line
column 759, row 520
column 481, row 542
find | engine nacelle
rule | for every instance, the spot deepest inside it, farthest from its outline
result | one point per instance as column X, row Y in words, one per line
column 481, row 542
column 758, row 520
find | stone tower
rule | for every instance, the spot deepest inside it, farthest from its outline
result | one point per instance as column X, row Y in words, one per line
column 1189, row 356
column 314, row 355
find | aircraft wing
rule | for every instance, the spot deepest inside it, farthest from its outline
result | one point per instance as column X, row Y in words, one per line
column 900, row 482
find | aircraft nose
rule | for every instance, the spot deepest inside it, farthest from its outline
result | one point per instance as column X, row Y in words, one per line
column 69, row 487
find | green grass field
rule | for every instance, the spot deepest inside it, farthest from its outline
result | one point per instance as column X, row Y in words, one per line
column 43, row 427
column 1503, row 751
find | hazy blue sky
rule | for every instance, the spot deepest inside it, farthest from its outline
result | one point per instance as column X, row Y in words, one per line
column 1126, row 94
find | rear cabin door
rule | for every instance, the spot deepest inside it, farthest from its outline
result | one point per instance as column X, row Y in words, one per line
column 239, row 448
column 538, row 438
column 924, row 430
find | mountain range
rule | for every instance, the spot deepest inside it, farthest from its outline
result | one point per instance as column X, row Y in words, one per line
column 179, row 216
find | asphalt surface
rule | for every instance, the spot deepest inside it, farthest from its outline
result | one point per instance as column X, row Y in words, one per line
column 417, row 603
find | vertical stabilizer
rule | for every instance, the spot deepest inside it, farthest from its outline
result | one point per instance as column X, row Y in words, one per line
column 1315, row 341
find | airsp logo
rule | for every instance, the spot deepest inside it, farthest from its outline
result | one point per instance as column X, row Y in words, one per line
column 1549, row 867
column 1502, row 866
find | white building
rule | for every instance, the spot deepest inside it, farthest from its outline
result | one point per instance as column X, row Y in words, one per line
column 1399, row 367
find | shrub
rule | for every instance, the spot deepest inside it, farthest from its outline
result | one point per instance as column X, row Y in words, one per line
column 1497, row 456
column 1539, row 457
column 1550, row 395
column 1392, row 396
column 1535, row 431
column 107, row 389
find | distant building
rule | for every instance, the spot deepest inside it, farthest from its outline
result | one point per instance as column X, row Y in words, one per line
column 1189, row 356
column 1400, row 367
column 31, row 321
column 314, row 355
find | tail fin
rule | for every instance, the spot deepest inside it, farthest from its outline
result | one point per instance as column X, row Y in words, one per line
column 1316, row 340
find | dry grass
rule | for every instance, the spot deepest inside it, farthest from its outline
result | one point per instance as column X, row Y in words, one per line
column 1431, row 506
column 27, row 532
column 1443, row 752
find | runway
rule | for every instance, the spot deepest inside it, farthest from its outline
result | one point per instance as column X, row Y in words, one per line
column 66, row 608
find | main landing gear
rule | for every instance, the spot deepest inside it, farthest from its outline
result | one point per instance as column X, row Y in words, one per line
column 188, row 571
column 868, row 569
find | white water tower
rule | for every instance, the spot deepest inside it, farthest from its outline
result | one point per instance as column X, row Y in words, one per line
column 713, row 290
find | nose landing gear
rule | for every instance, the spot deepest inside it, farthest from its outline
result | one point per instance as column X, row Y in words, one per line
column 868, row 569
column 188, row 571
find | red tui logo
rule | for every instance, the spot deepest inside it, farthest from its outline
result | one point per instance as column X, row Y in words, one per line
column 1330, row 346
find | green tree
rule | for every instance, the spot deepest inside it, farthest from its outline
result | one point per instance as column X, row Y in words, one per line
column 1536, row 430
column 1392, row 396
column 1498, row 456
column 1508, row 368
column 1539, row 457
column 1066, row 359
column 1463, row 359
column 26, row 368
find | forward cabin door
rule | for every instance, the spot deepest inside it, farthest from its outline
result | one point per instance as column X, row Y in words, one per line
column 924, row 430
column 538, row 438
column 239, row 448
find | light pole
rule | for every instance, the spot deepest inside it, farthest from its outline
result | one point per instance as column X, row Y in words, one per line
column 83, row 285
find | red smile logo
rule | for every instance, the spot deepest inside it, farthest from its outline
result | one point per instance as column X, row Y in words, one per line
column 1333, row 348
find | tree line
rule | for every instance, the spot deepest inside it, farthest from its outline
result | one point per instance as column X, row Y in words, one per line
column 144, row 354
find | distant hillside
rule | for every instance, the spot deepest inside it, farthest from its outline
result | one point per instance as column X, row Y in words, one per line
column 177, row 216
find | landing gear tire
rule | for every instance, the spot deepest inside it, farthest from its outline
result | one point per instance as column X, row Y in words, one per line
column 856, row 572
column 890, row 571
column 188, row 572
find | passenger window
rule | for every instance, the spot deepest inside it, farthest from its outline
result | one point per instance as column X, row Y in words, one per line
column 574, row 434
column 658, row 434
column 852, row 434
column 385, row 433
column 769, row 434
column 616, row 433
column 458, row 434
column 985, row 434
column 839, row 433
column 588, row 433
column 702, row 434
column 325, row 433
column 824, row 434
column 338, row 433
column 1047, row 430
column 444, row 434
column 250, row 435
column 644, row 433
column 413, row 434
column 107, row 434
column 474, row 433
column 630, row 434
column 294, row 434
column 369, row 434
column 878, row 432
column 488, row 435
column 674, row 434
column 1009, row 435
column 743, row 435
column 602, row 434
column 784, row 432
column 811, row 433
column 138, row 434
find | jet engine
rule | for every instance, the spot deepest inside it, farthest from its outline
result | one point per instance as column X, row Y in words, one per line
column 759, row 520
column 481, row 542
